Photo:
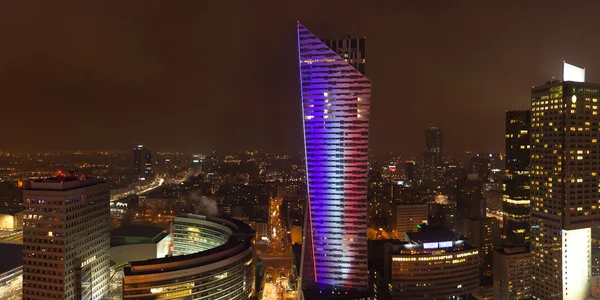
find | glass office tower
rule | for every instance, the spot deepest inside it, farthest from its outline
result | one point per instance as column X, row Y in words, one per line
column 335, row 106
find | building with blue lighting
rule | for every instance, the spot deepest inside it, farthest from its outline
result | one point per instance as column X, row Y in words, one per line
column 434, row 263
column 335, row 106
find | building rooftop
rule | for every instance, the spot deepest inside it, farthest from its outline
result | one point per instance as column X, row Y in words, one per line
column 62, row 183
column 147, row 231
column 136, row 234
column 431, row 234
column 12, row 257
column 513, row 250
column 58, row 179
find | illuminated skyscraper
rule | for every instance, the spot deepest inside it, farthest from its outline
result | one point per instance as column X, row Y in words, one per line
column 335, row 102
column 516, row 203
column 565, row 189
column 432, row 158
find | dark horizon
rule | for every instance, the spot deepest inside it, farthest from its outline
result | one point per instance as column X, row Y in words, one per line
column 203, row 76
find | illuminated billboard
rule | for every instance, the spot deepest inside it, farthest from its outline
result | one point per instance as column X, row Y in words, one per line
column 573, row 73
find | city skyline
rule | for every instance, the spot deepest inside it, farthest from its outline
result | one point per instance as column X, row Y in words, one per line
column 129, row 71
column 256, row 161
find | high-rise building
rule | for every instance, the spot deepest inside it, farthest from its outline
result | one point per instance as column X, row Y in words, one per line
column 516, row 198
column 432, row 264
column 484, row 233
column 142, row 158
column 66, row 239
column 352, row 50
column 564, row 184
column 432, row 157
column 473, row 223
column 488, row 166
column 512, row 273
column 469, row 197
column 335, row 105
column 409, row 216
column 409, row 170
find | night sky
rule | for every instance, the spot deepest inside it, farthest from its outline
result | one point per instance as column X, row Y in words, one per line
column 203, row 75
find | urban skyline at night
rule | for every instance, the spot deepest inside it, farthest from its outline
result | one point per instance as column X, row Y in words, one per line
column 375, row 151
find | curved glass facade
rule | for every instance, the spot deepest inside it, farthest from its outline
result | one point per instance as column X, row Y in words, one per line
column 195, row 235
column 223, row 269
column 435, row 276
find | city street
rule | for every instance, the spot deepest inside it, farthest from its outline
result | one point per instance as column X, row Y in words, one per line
column 11, row 237
column 277, row 256
column 11, row 290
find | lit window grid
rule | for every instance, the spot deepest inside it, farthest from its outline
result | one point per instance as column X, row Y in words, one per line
column 336, row 106
column 561, row 129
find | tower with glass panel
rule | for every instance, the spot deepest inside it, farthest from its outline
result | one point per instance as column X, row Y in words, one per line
column 432, row 157
column 565, row 190
column 516, row 203
column 335, row 107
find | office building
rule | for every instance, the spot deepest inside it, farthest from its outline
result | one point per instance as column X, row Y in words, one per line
column 66, row 239
column 409, row 216
column 213, row 258
column 433, row 161
column 518, row 123
column 142, row 164
column 565, row 189
column 473, row 223
column 492, row 192
column 11, row 222
column 481, row 166
column 335, row 105
column 484, row 233
column 512, row 273
column 432, row 264
column 352, row 50
column 409, row 171
column 516, row 188
column 469, row 197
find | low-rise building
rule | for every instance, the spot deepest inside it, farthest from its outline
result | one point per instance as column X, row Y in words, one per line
column 11, row 222
column 138, row 242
